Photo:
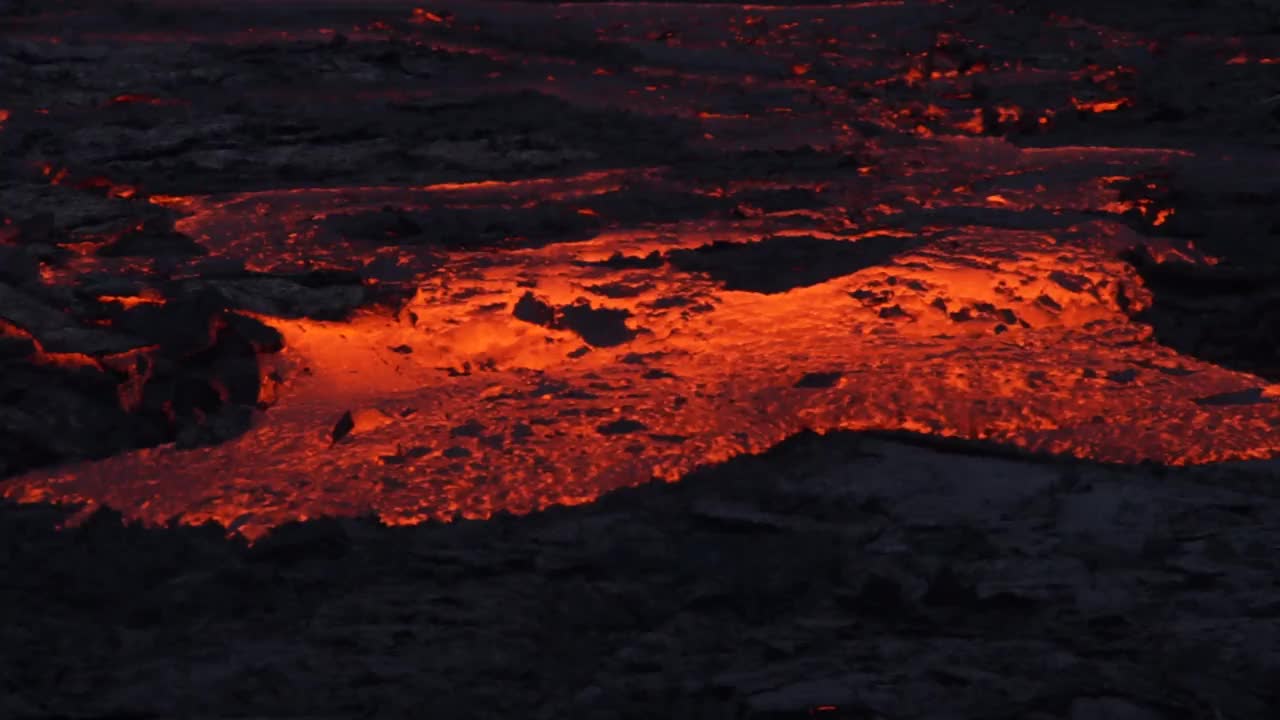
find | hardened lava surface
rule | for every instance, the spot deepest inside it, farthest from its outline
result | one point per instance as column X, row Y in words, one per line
column 261, row 265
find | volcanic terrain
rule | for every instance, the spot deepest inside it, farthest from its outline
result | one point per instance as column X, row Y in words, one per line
column 907, row 358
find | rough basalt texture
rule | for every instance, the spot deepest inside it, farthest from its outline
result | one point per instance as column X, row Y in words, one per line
column 883, row 579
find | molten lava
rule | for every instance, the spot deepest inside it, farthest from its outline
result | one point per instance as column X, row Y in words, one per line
column 608, row 326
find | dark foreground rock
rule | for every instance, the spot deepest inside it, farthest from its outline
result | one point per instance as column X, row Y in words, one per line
column 1229, row 312
column 872, row 577
column 185, row 369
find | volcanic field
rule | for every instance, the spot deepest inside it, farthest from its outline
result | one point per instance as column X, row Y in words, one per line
column 906, row 358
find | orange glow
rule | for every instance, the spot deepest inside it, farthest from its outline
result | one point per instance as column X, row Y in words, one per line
column 55, row 175
column 1009, row 113
column 132, row 301
column 1244, row 58
column 1100, row 106
column 990, row 337
column 44, row 357
column 512, row 373
column 423, row 16
column 140, row 99
column 974, row 124
column 112, row 189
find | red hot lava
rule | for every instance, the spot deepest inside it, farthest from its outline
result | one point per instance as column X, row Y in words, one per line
column 552, row 371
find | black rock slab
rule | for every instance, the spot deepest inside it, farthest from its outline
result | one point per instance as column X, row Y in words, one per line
column 781, row 263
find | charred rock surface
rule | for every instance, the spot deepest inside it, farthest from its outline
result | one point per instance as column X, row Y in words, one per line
column 1227, row 312
column 863, row 575
column 184, row 368
column 51, row 414
column 778, row 264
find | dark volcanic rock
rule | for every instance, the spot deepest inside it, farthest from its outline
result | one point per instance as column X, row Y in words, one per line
column 1250, row 396
column 618, row 261
column 643, row 204
column 207, row 389
column 465, row 227
column 819, row 380
column 342, row 428
column 181, row 325
column 523, row 227
column 622, row 426
column 17, row 266
column 882, row 578
column 151, row 239
column 264, row 338
column 293, row 297
column 531, row 309
column 1228, row 315
column 218, row 426
column 60, row 331
column 384, row 226
column 781, row 263
column 600, row 327
column 785, row 199
column 16, row 347
column 191, row 375
column 56, row 414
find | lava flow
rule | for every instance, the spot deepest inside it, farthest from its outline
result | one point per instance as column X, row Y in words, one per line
column 718, row 225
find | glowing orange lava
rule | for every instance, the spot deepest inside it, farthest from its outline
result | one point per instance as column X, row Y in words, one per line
column 1006, row 314
column 1100, row 106
column 1016, row 336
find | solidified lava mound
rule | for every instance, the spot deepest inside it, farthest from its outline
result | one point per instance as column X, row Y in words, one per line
column 260, row 265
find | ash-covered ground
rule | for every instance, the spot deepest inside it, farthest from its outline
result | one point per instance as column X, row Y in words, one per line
column 266, row 262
